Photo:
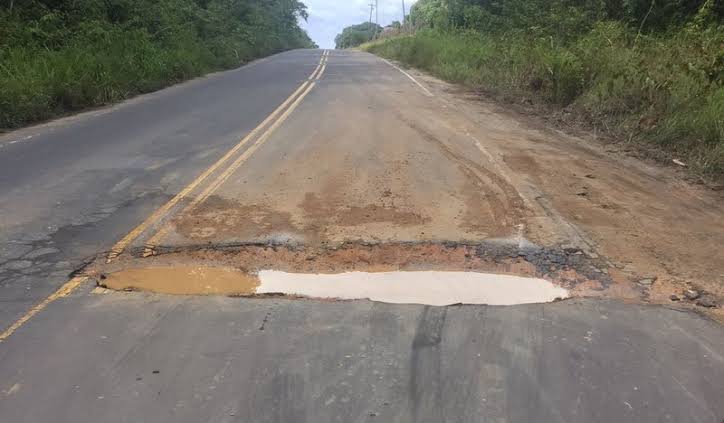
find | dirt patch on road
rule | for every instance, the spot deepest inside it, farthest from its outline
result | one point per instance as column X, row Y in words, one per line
column 648, row 222
column 320, row 212
column 373, row 213
column 570, row 269
column 485, row 190
column 218, row 217
column 187, row 270
column 413, row 172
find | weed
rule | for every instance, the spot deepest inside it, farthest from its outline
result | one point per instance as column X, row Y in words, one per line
column 665, row 90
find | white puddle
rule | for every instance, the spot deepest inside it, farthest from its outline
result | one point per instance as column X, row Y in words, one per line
column 431, row 288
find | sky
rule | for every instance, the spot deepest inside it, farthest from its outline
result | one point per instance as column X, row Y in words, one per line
column 327, row 18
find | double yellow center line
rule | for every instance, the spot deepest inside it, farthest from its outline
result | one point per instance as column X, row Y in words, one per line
column 266, row 128
column 223, row 168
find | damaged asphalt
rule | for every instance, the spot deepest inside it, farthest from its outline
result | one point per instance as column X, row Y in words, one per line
column 411, row 183
column 82, row 182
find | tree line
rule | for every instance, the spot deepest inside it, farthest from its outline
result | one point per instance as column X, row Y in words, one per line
column 355, row 35
column 558, row 16
column 60, row 55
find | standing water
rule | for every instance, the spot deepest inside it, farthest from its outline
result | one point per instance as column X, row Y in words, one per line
column 431, row 288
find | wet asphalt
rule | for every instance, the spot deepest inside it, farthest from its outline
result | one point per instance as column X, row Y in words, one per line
column 70, row 189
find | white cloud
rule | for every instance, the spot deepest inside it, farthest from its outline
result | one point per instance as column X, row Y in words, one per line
column 327, row 18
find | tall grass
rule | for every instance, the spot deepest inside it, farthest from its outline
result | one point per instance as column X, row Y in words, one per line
column 666, row 91
column 36, row 84
column 74, row 55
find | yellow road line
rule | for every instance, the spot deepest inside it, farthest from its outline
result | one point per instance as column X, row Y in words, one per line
column 163, row 231
column 161, row 211
column 156, row 239
column 60, row 293
column 262, row 139
column 322, row 60
column 222, row 178
column 314, row 74
column 74, row 283
column 321, row 72
column 121, row 245
column 325, row 59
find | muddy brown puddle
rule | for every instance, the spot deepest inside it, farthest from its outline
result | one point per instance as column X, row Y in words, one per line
column 429, row 288
column 183, row 280
column 496, row 273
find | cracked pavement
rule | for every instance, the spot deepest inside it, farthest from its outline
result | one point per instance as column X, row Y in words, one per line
column 370, row 173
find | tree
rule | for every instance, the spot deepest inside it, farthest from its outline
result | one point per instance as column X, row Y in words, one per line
column 354, row 35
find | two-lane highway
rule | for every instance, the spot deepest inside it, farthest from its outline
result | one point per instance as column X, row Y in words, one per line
column 77, row 186
column 306, row 151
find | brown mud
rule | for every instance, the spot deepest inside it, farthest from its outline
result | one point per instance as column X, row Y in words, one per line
column 182, row 280
column 184, row 271
column 570, row 269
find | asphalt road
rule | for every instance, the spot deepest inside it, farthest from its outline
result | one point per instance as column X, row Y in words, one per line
column 363, row 157
column 79, row 185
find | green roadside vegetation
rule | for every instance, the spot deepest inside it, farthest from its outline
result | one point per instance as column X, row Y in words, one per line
column 58, row 56
column 355, row 35
column 649, row 72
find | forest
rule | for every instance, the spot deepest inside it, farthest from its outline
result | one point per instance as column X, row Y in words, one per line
column 648, row 73
column 58, row 56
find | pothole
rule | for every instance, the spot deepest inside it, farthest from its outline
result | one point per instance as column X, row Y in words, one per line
column 430, row 288
column 495, row 272
column 183, row 280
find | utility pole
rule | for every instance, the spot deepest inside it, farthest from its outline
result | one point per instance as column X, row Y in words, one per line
column 377, row 18
column 404, row 13
column 372, row 7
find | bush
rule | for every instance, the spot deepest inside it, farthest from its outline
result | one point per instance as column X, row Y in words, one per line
column 663, row 89
column 58, row 56
column 356, row 35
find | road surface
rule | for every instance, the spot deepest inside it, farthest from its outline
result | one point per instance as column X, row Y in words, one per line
column 317, row 161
